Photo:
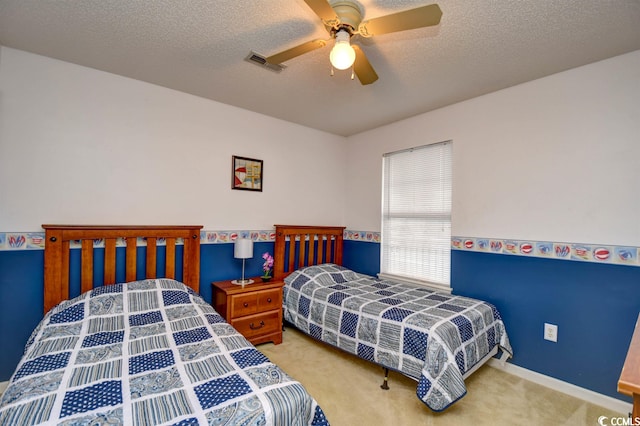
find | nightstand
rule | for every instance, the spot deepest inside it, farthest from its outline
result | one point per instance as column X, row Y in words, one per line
column 255, row 310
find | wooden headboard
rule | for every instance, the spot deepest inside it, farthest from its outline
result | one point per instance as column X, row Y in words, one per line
column 57, row 250
column 316, row 245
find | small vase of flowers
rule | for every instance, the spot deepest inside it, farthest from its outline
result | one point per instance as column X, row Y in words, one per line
column 267, row 267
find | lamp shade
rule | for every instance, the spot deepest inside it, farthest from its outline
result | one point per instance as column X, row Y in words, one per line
column 243, row 248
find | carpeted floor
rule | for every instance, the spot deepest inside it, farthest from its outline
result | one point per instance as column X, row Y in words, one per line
column 348, row 390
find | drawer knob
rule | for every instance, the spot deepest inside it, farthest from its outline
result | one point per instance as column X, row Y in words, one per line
column 245, row 304
column 269, row 300
column 253, row 327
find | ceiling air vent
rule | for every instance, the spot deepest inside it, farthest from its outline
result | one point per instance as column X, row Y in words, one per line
column 260, row 60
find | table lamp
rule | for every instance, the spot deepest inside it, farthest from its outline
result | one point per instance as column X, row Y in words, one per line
column 243, row 249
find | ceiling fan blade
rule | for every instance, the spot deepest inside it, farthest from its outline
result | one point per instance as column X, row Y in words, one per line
column 362, row 68
column 323, row 9
column 419, row 17
column 296, row 51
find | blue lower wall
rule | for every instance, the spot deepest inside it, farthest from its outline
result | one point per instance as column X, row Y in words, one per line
column 21, row 303
column 363, row 257
column 594, row 305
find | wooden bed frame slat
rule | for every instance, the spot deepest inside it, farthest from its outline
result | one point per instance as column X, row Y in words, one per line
column 87, row 265
column 327, row 250
column 64, row 274
column 291, row 255
column 110, row 260
column 312, row 246
column 57, row 246
column 170, row 267
column 131, row 259
column 302, row 248
column 286, row 236
column 151, row 257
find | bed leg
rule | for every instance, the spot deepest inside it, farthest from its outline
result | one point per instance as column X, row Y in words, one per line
column 384, row 384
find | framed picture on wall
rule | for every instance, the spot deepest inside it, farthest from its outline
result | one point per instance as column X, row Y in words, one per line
column 246, row 173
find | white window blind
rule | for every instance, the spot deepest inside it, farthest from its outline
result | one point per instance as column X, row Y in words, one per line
column 416, row 214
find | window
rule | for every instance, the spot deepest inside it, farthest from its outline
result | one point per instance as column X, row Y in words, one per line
column 416, row 214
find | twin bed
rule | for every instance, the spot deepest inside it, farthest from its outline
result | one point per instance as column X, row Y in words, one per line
column 436, row 338
column 151, row 351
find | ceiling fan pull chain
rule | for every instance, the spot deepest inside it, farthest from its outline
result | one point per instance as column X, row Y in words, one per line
column 352, row 73
column 332, row 71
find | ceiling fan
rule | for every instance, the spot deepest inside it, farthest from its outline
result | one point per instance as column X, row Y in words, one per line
column 343, row 20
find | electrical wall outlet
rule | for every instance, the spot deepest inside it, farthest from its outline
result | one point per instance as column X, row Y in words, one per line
column 550, row 332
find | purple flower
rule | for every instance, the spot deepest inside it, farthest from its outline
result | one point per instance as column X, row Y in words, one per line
column 268, row 264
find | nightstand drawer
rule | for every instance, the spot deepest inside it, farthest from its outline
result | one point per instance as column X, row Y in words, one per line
column 259, row 324
column 255, row 302
column 269, row 299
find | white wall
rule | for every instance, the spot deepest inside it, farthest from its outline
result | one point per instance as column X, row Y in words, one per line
column 554, row 159
column 83, row 146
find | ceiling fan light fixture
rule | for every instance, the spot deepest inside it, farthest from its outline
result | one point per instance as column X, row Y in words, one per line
column 342, row 55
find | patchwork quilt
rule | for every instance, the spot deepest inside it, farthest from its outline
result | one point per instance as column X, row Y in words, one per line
column 148, row 352
column 432, row 337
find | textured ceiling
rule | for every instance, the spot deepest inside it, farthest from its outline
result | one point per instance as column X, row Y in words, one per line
column 199, row 46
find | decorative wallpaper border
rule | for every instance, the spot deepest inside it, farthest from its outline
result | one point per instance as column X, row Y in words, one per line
column 224, row 237
column 21, row 240
column 598, row 253
column 35, row 240
column 368, row 236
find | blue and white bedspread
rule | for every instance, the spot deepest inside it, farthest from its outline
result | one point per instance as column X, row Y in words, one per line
column 148, row 353
column 432, row 337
